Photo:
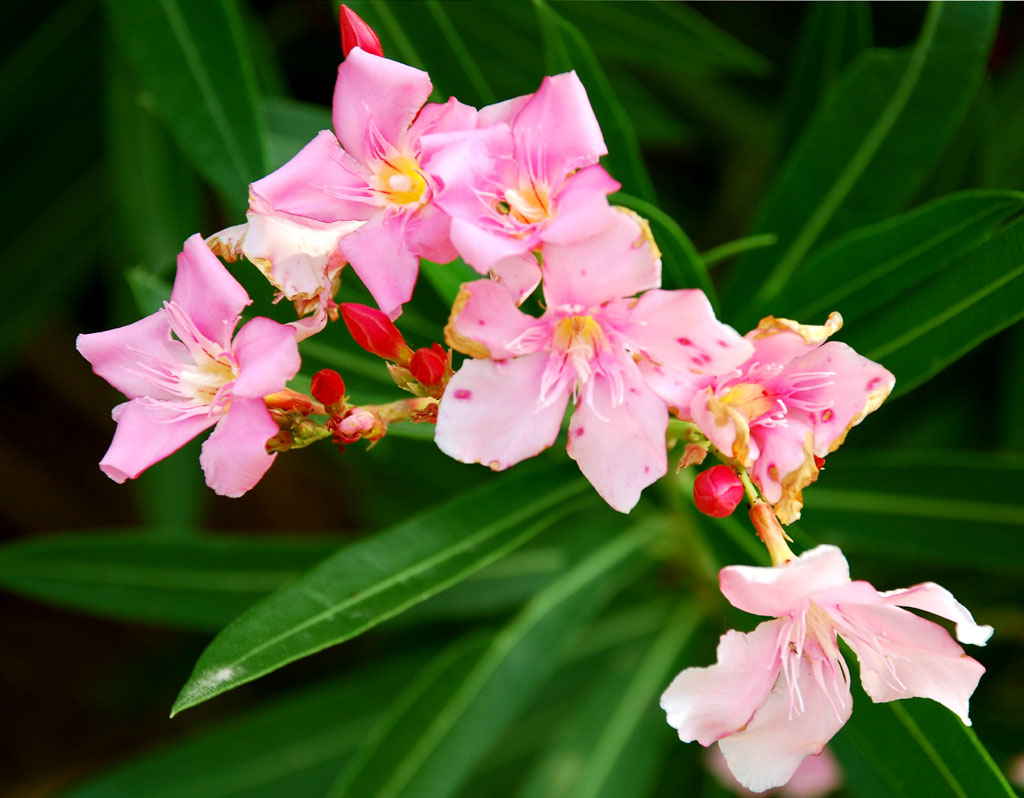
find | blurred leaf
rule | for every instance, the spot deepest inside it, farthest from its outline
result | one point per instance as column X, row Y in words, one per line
column 199, row 583
column 917, row 505
column 439, row 732
column 1006, row 153
column 611, row 745
column 680, row 258
column 731, row 249
column 293, row 745
column 665, row 36
column 190, row 55
column 831, row 35
column 920, row 332
column 875, row 138
column 372, row 580
column 565, row 48
column 291, row 125
column 447, row 278
column 913, row 748
column 866, row 267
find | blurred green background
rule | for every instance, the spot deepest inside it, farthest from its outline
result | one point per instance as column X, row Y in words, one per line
column 131, row 124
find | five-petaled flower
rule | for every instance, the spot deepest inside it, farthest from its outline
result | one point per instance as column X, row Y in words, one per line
column 183, row 373
column 779, row 693
column 594, row 343
column 794, row 399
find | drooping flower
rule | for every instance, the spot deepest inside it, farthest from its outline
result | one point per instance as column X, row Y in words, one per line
column 528, row 175
column 794, row 400
column 594, row 344
column 372, row 169
column 779, row 693
column 184, row 371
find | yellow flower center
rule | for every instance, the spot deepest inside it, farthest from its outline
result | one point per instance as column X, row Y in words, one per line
column 400, row 181
column 528, row 204
column 748, row 399
column 202, row 380
column 578, row 335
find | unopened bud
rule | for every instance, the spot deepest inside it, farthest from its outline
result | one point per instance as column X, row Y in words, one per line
column 819, row 462
column 356, row 33
column 717, row 491
column 327, row 387
column 428, row 366
column 375, row 332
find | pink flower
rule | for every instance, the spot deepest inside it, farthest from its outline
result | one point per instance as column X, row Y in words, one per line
column 593, row 344
column 183, row 373
column 372, row 169
column 528, row 176
column 794, row 399
column 816, row 777
column 779, row 693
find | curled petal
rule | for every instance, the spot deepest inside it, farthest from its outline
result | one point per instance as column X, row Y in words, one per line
column 781, row 340
column 207, row 292
column 268, row 356
column 780, row 736
column 935, row 599
column 147, row 432
column 234, row 457
column 444, row 118
column 707, row 704
column 519, row 275
column 786, row 589
column 491, row 412
column 484, row 320
column 785, row 466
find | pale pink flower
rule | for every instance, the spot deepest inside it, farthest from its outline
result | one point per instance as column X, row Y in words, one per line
column 794, row 399
column 779, row 693
column 595, row 345
column 372, row 169
column 816, row 777
column 527, row 176
column 183, row 373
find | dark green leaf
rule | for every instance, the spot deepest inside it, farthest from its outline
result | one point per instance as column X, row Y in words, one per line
column 869, row 146
column 198, row 583
column 291, row 125
column 445, row 724
column 190, row 55
column 372, row 580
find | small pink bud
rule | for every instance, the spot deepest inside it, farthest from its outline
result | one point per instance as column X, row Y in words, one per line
column 356, row 33
column 717, row 491
column 375, row 332
column 327, row 387
column 428, row 366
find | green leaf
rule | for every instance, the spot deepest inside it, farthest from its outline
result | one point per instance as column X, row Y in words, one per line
column 198, row 583
column 610, row 745
column 370, row 581
column 291, row 125
column 917, row 505
column 920, row 332
column 443, row 727
column 293, row 745
column 866, row 267
column 874, row 140
column 911, row 748
column 566, row 48
column 191, row 57
column 447, row 278
column 731, row 249
column 680, row 258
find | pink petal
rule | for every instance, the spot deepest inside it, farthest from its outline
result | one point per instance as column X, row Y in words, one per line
column 707, row 704
column 491, row 412
column 268, row 356
column 617, row 262
column 857, row 387
column 443, row 118
column 481, row 247
column 780, row 736
column 374, row 93
column 619, row 443
column 780, row 453
column 234, row 457
column 485, row 315
column 502, row 112
column 321, row 182
column 722, row 427
column 786, row 589
column 935, row 599
column 519, row 275
column 207, row 293
column 556, row 131
column 124, row 356
column 147, row 432
column 379, row 254
column 904, row 656
column 427, row 235
column 816, row 777
column 781, row 340
column 581, row 206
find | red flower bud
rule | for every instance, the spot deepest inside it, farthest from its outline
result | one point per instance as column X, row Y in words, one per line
column 356, row 33
column 327, row 387
column 717, row 491
column 375, row 332
column 428, row 366
column 819, row 462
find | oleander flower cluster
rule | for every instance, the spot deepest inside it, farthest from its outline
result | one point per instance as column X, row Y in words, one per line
column 566, row 335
